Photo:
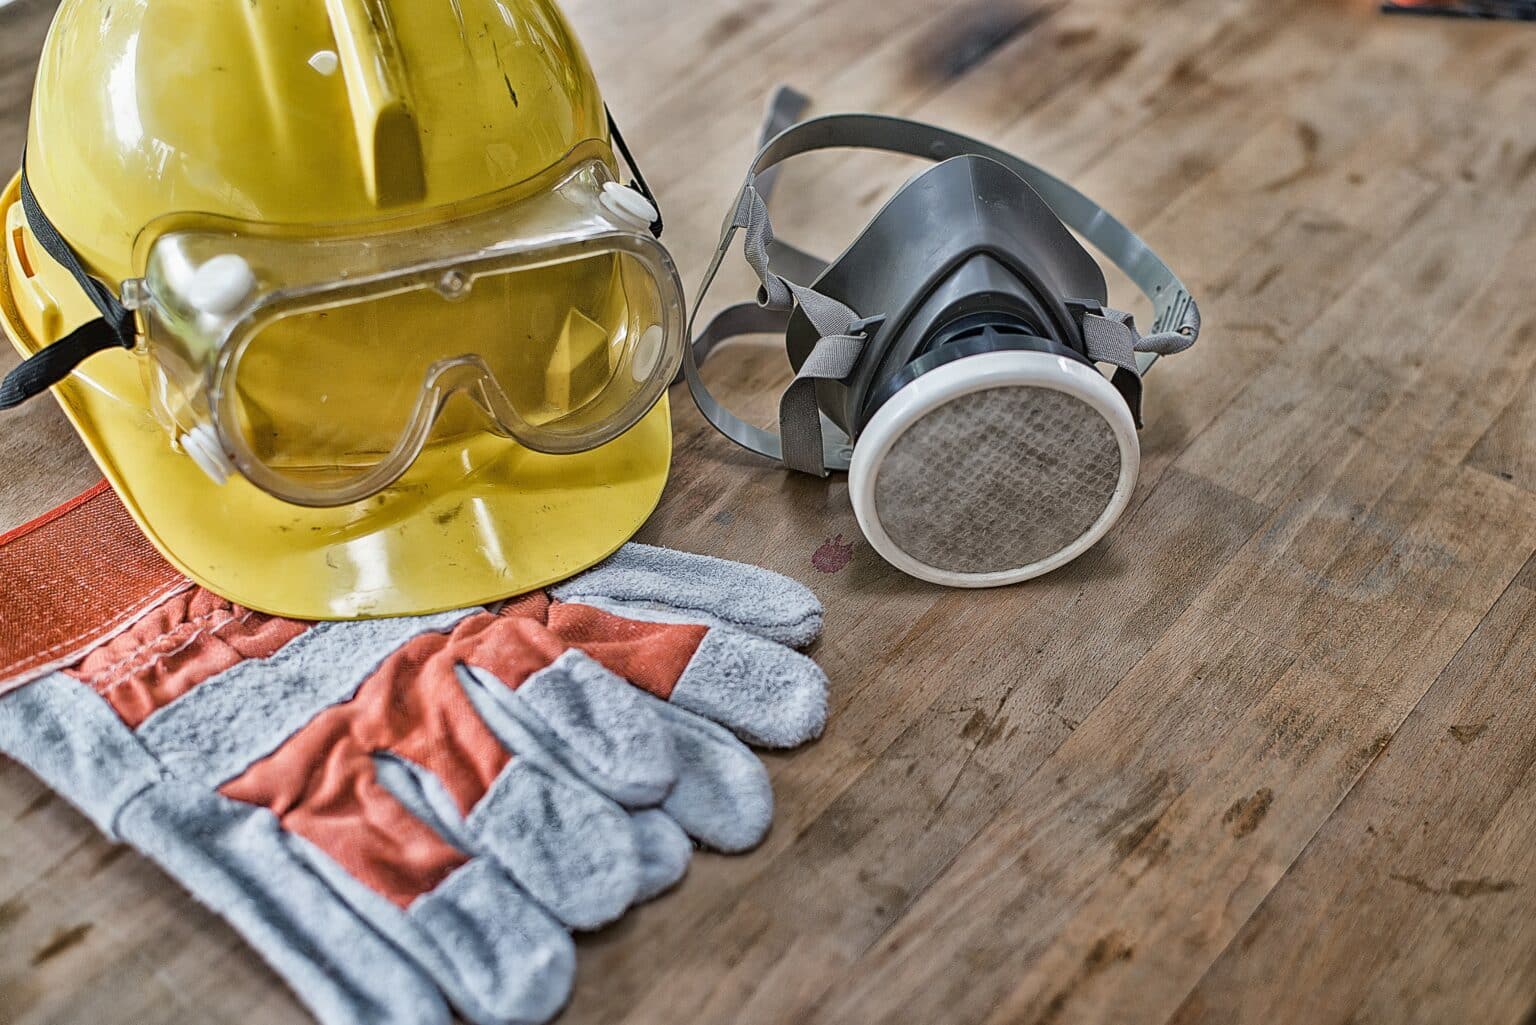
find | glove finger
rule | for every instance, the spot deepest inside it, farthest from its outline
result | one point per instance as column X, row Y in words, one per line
column 509, row 955
column 665, row 851
column 767, row 694
column 500, row 958
column 700, row 589
column 598, row 725
column 608, row 734
column 570, row 848
column 236, row 860
column 663, row 848
column 723, row 798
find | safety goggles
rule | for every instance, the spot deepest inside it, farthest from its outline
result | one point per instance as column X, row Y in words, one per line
column 319, row 364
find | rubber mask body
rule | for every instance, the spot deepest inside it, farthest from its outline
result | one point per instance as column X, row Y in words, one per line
column 964, row 240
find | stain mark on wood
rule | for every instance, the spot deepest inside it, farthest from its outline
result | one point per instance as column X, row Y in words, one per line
column 1142, row 805
column 1247, row 814
column 1527, row 166
column 1120, row 58
column 1267, row 279
column 1072, row 38
column 971, row 40
column 35, row 805
column 1108, row 951
column 107, row 860
column 1311, row 140
column 1465, row 888
column 11, row 912
column 1465, row 734
column 63, row 941
column 833, row 556
column 1461, row 889
column 727, row 27
column 1127, row 844
column 1186, row 74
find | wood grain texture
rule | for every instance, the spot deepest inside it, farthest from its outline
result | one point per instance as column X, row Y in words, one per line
column 1268, row 754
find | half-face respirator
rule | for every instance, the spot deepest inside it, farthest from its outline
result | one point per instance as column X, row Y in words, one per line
column 948, row 359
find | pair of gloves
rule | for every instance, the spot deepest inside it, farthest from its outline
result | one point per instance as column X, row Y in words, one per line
column 410, row 816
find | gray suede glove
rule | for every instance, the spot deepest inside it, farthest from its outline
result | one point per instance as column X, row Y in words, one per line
column 408, row 815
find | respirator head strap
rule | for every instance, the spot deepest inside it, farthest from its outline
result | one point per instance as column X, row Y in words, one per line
column 843, row 334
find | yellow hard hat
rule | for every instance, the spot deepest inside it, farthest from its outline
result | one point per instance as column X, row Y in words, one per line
column 373, row 327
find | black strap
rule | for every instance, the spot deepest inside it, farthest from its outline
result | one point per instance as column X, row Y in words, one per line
column 112, row 311
column 114, row 329
column 1129, row 386
column 56, row 362
column 639, row 184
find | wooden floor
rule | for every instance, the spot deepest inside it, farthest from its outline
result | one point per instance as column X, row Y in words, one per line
column 1264, row 756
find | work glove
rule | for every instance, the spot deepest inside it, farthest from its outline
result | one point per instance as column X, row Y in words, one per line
column 407, row 815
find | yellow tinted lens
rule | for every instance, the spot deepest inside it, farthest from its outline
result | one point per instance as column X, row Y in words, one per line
column 327, row 395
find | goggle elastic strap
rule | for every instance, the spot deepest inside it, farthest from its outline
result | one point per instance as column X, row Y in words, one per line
column 114, row 329
column 639, row 184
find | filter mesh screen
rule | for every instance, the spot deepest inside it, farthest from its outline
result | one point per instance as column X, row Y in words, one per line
column 998, row 480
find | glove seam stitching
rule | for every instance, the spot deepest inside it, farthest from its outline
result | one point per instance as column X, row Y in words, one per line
column 149, row 604
column 122, row 669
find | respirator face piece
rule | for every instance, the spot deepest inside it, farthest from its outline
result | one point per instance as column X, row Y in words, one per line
column 949, row 359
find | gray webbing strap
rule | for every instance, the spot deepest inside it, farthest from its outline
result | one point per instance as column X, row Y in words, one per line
column 842, row 332
column 1111, row 339
column 1109, row 336
column 799, row 414
column 784, row 108
column 1177, row 323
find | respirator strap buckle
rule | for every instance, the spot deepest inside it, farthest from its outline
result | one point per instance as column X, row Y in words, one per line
column 843, row 336
column 800, row 426
column 1110, row 336
column 739, row 321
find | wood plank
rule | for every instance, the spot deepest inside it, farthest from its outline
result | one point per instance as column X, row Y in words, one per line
column 1421, row 848
column 1469, row 955
column 1508, row 448
column 1272, row 773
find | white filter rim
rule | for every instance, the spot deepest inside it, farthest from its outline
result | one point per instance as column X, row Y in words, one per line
column 966, row 377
